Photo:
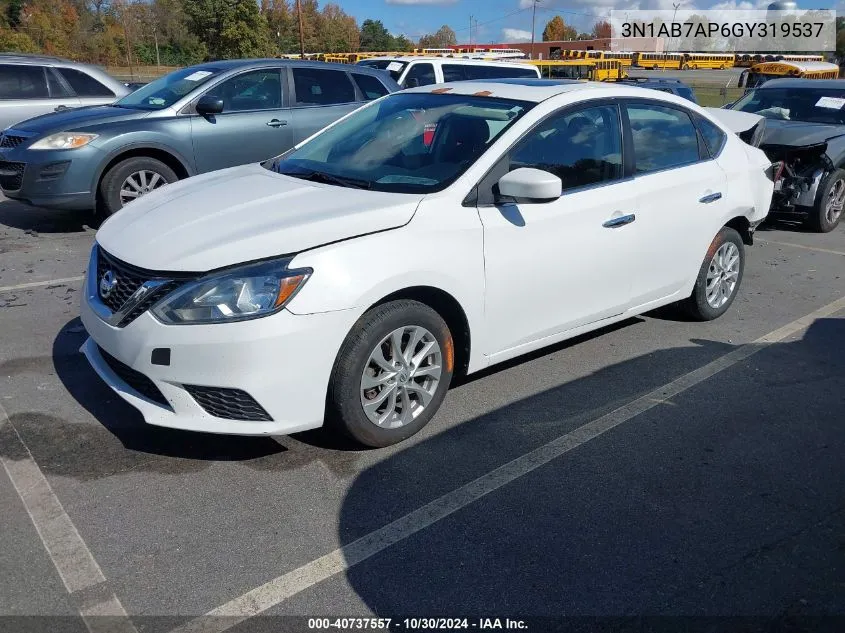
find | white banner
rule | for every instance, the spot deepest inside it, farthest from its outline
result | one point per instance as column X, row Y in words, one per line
column 728, row 30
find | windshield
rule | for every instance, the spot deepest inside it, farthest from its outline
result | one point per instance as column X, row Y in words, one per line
column 394, row 67
column 165, row 91
column 813, row 105
column 407, row 142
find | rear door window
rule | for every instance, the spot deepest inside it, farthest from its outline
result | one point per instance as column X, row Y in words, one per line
column 84, row 85
column 419, row 75
column 317, row 86
column 456, row 72
column 23, row 82
column 663, row 137
column 57, row 88
column 369, row 86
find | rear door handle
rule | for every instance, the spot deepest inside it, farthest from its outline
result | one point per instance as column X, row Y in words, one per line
column 711, row 197
column 622, row 220
column 276, row 123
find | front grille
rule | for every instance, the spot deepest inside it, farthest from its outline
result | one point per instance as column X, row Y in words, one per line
column 10, row 140
column 135, row 379
column 128, row 280
column 11, row 175
column 229, row 404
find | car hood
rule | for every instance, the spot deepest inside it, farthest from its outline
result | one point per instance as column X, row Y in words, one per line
column 242, row 214
column 799, row 133
column 76, row 118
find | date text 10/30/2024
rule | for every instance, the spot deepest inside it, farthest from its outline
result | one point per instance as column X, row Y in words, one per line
column 416, row 624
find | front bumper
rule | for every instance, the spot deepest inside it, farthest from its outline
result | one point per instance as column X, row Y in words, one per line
column 55, row 179
column 282, row 361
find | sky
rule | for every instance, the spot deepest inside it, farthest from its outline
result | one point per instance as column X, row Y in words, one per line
column 510, row 20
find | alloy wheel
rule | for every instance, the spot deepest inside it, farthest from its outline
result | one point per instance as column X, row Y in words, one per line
column 140, row 183
column 722, row 275
column 401, row 376
column 835, row 201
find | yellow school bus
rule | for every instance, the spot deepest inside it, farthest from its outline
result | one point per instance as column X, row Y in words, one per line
column 693, row 61
column 583, row 69
column 761, row 73
column 659, row 60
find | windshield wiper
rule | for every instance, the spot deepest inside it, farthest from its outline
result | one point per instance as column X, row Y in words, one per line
column 330, row 179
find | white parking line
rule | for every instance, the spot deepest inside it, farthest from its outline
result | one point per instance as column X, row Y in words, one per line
column 71, row 557
column 38, row 284
column 806, row 248
column 275, row 591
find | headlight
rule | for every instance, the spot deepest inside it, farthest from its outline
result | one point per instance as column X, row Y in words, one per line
column 246, row 292
column 64, row 140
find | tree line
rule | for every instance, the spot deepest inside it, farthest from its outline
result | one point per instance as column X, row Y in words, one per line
column 184, row 32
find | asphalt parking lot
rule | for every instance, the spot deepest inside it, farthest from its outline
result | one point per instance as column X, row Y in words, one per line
column 658, row 467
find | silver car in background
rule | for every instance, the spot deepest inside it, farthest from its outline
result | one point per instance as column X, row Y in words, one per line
column 31, row 85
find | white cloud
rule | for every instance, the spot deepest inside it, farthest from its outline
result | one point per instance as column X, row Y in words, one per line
column 516, row 35
column 429, row 2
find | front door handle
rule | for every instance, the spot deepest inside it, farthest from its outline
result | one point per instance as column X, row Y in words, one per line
column 276, row 123
column 711, row 197
column 621, row 220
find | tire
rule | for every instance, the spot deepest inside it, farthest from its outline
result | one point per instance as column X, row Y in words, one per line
column 685, row 67
column 111, row 184
column 822, row 218
column 654, row 67
column 722, row 67
column 726, row 244
column 345, row 402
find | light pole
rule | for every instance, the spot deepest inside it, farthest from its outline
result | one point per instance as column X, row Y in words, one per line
column 533, row 21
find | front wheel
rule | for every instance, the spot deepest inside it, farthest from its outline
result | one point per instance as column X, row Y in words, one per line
column 718, row 278
column 827, row 212
column 391, row 374
column 130, row 179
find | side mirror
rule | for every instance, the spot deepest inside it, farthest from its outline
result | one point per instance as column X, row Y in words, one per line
column 527, row 184
column 209, row 104
column 742, row 77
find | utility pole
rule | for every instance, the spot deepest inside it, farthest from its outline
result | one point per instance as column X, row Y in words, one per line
column 470, row 31
column 301, row 37
column 674, row 13
column 533, row 21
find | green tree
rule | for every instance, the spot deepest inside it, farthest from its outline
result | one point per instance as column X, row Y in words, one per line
column 229, row 28
column 402, row 43
column 375, row 37
column 840, row 39
column 13, row 13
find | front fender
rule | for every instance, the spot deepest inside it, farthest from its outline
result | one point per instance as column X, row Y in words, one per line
column 429, row 251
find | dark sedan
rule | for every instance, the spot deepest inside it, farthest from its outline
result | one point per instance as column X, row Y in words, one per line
column 194, row 120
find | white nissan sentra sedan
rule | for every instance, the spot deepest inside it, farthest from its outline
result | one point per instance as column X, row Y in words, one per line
column 433, row 232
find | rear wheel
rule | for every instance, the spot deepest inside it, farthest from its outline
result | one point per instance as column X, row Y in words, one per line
column 130, row 179
column 827, row 212
column 391, row 374
column 685, row 67
column 718, row 278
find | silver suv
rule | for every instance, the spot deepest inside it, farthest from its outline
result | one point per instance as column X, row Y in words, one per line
column 31, row 85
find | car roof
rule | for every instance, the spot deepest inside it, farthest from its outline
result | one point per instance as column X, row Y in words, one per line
column 446, row 60
column 796, row 82
column 534, row 90
column 232, row 64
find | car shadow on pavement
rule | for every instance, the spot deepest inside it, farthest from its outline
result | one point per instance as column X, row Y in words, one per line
column 727, row 499
column 38, row 220
column 87, row 451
